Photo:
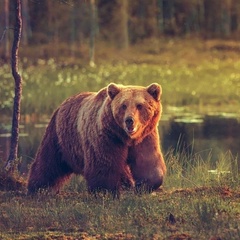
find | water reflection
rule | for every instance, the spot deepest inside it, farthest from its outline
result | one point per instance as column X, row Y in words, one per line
column 29, row 140
column 204, row 135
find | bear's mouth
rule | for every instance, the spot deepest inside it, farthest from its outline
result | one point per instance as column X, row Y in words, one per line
column 131, row 130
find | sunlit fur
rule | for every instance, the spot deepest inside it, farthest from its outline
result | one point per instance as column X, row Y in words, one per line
column 87, row 135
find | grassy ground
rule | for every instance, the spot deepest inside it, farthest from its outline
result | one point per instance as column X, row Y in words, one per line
column 196, row 213
column 194, row 203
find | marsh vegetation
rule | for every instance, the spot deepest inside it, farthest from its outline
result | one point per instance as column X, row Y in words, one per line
column 192, row 74
column 200, row 197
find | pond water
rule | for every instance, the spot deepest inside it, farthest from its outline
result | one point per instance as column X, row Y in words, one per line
column 197, row 134
column 213, row 134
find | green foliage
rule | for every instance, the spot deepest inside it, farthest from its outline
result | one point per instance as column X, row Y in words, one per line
column 46, row 85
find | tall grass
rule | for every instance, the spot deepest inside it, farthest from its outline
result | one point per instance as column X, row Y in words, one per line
column 193, row 203
column 189, row 169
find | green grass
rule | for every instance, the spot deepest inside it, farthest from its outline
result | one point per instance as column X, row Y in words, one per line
column 191, row 74
column 193, row 204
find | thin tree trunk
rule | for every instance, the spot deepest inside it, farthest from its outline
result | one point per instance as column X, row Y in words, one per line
column 92, row 33
column 25, row 23
column 160, row 16
column 73, row 31
column 124, row 24
column 121, row 24
column 18, row 88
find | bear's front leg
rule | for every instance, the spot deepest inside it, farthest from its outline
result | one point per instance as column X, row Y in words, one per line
column 127, row 181
column 104, row 180
column 147, row 163
column 108, row 172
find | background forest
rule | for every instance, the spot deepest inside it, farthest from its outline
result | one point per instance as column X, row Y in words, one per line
column 120, row 23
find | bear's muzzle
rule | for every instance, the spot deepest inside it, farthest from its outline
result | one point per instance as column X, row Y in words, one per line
column 129, row 125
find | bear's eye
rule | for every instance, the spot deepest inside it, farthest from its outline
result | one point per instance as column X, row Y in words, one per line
column 139, row 106
column 124, row 106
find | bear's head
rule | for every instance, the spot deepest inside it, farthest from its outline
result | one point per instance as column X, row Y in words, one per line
column 135, row 109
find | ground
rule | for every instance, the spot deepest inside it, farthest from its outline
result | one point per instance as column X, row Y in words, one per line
column 188, row 213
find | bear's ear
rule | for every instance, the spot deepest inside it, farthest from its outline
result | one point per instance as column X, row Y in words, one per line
column 112, row 90
column 155, row 91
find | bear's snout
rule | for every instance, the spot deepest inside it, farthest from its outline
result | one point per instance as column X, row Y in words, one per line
column 130, row 126
column 129, row 121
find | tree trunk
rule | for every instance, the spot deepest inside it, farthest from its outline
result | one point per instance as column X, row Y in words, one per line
column 18, row 88
column 92, row 33
column 73, row 30
column 120, row 24
column 124, row 24
column 169, row 23
column 160, row 15
column 25, row 22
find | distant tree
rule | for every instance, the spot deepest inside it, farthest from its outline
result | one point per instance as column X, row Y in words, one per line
column 235, row 23
column 218, row 17
column 159, row 15
column 122, row 38
column 113, row 22
column 169, row 20
column 18, row 88
column 73, row 24
column 92, row 32
column 189, row 16
column 53, row 24
column 26, row 29
column 144, row 17
column 4, row 18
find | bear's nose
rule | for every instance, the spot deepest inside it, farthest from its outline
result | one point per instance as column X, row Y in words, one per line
column 129, row 121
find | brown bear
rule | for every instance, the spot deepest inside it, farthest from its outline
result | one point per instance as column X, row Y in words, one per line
column 110, row 137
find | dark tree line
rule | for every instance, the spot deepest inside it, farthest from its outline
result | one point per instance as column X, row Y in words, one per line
column 120, row 22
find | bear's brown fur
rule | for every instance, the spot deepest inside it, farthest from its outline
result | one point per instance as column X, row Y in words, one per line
column 110, row 137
